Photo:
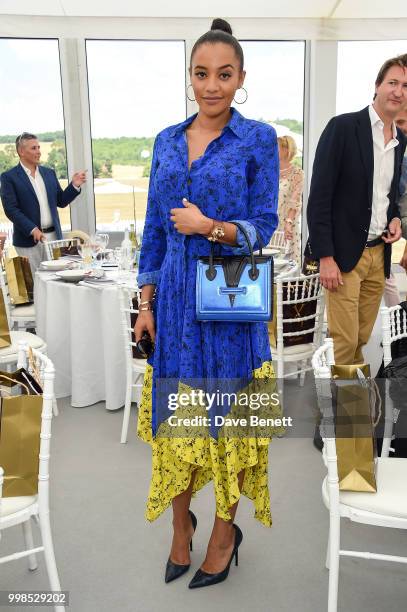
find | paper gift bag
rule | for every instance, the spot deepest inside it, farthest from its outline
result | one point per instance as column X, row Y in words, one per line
column 19, row 279
column 5, row 339
column 63, row 251
column 20, row 425
column 354, row 408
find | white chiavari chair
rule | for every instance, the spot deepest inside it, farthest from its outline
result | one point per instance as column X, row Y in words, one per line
column 394, row 327
column 385, row 508
column 135, row 368
column 21, row 316
column 52, row 245
column 9, row 354
column 297, row 291
column 20, row 510
column 278, row 241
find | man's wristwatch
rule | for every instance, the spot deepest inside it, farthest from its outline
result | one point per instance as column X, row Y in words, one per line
column 217, row 232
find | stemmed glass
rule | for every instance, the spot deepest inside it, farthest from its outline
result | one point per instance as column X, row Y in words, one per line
column 125, row 258
column 85, row 251
column 103, row 241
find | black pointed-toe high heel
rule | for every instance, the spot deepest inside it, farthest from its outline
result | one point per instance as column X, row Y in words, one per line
column 173, row 570
column 202, row 579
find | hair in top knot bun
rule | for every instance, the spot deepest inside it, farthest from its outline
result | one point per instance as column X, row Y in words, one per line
column 222, row 25
column 220, row 32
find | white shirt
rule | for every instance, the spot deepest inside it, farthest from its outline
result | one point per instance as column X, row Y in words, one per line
column 383, row 171
column 41, row 192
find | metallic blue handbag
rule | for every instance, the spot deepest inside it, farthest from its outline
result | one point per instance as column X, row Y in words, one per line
column 236, row 288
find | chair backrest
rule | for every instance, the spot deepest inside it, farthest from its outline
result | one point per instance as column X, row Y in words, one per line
column 297, row 295
column 42, row 369
column 127, row 309
column 52, row 246
column 394, row 327
column 277, row 240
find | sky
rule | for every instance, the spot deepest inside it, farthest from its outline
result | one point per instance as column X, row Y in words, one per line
column 136, row 88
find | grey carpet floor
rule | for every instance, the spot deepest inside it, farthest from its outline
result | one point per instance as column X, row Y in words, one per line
column 110, row 558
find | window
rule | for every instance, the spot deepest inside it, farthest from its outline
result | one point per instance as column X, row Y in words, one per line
column 358, row 65
column 275, row 87
column 136, row 88
column 31, row 101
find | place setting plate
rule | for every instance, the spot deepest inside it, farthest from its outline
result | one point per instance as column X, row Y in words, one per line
column 55, row 265
column 71, row 276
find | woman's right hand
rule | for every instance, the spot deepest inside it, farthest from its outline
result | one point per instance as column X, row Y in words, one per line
column 288, row 231
column 145, row 323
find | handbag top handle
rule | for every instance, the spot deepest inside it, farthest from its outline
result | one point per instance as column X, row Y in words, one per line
column 253, row 272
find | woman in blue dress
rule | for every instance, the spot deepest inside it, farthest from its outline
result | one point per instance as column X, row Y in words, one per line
column 214, row 168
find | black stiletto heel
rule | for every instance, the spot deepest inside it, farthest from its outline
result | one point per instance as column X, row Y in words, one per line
column 202, row 579
column 174, row 570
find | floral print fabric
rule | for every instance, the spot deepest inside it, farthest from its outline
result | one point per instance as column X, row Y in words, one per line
column 291, row 184
column 235, row 179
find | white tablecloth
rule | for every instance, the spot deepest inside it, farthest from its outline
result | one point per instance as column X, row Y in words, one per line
column 81, row 326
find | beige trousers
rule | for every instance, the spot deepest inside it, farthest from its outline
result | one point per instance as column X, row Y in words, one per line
column 353, row 308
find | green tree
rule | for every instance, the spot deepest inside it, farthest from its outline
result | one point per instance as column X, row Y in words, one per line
column 8, row 158
column 292, row 124
column 147, row 169
column 57, row 159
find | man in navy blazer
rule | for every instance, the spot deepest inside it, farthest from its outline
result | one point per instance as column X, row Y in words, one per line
column 30, row 194
column 353, row 214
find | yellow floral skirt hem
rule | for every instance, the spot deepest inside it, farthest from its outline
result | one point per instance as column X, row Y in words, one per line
column 174, row 459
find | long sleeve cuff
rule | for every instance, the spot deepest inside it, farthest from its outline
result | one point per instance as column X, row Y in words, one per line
column 241, row 248
column 148, row 278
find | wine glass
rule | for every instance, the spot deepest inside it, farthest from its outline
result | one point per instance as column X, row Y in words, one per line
column 103, row 240
column 125, row 257
column 85, row 251
column 96, row 250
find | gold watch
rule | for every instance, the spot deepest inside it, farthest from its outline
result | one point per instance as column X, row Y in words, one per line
column 216, row 233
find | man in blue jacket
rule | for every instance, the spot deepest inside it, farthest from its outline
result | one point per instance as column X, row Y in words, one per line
column 30, row 194
column 353, row 213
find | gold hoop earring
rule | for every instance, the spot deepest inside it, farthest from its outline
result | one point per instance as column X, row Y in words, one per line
column 247, row 95
column 190, row 99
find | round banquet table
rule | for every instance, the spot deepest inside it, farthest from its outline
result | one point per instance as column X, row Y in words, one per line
column 82, row 328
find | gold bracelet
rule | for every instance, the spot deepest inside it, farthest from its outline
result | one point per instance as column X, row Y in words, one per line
column 145, row 308
column 146, row 302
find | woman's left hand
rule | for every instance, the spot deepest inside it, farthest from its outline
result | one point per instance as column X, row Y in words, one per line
column 189, row 220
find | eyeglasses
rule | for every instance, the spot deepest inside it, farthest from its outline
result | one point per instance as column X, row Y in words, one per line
column 24, row 136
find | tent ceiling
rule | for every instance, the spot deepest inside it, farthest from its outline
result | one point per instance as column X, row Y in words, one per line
column 339, row 9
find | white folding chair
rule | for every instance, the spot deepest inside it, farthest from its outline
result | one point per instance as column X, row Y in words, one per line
column 135, row 368
column 50, row 245
column 20, row 510
column 298, row 290
column 22, row 316
column 385, row 508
